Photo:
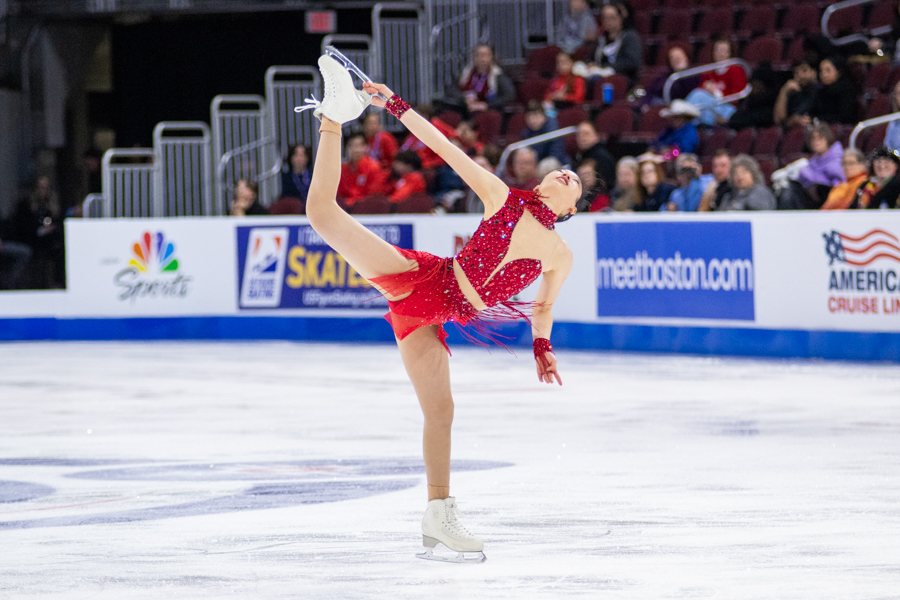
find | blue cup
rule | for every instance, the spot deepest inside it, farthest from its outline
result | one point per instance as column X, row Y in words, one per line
column 607, row 93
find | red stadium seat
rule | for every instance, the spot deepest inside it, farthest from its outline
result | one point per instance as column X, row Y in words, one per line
column 514, row 127
column 489, row 124
column 801, row 18
column 450, row 117
column 712, row 140
column 877, row 79
column 845, row 21
column 795, row 49
column 542, row 61
column 417, row 202
column 620, row 88
column 287, row 205
column 767, row 141
column 882, row 15
column 759, row 20
column 572, row 116
column 767, row 164
column 742, row 141
column 642, row 24
column 532, row 89
column 674, row 23
column 652, row 122
column 874, row 139
column 373, row 204
column 765, row 48
column 878, row 106
column 614, row 121
column 792, row 143
column 715, row 22
column 644, row 5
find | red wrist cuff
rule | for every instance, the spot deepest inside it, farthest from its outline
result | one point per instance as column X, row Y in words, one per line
column 396, row 106
column 541, row 347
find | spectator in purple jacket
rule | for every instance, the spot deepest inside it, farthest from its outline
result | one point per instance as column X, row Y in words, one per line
column 824, row 166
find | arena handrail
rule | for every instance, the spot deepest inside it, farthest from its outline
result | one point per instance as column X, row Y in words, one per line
column 87, row 206
column 228, row 156
column 501, row 168
column 855, row 37
column 873, row 122
column 667, row 88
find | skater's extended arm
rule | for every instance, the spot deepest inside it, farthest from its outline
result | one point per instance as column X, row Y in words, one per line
column 487, row 186
column 542, row 315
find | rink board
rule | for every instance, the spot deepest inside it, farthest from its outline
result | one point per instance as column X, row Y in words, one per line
column 778, row 284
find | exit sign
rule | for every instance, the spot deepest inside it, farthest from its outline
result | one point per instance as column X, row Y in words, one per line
column 321, row 21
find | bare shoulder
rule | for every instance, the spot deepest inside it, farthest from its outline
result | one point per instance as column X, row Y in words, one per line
column 562, row 258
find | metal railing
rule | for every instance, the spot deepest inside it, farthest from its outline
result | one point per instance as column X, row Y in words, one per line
column 874, row 122
column 92, row 207
column 501, row 169
column 286, row 88
column 854, row 37
column 453, row 35
column 398, row 30
column 667, row 88
column 128, row 182
column 227, row 186
column 183, row 175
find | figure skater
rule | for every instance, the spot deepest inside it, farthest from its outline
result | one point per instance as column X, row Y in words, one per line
column 514, row 244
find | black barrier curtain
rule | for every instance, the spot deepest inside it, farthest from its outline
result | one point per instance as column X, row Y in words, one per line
column 170, row 70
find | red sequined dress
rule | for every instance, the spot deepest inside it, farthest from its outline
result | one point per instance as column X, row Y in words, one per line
column 435, row 296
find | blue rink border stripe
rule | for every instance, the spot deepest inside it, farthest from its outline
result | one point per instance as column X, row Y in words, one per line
column 580, row 336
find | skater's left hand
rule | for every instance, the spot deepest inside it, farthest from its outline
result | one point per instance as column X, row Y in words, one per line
column 377, row 88
column 547, row 372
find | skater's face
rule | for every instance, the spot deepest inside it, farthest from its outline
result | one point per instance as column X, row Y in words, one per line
column 356, row 149
column 562, row 187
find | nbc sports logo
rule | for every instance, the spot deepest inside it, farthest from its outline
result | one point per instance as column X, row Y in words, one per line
column 152, row 271
column 154, row 253
column 263, row 274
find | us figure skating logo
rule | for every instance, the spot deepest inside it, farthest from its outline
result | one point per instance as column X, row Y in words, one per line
column 863, row 272
column 152, row 271
column 263, row 274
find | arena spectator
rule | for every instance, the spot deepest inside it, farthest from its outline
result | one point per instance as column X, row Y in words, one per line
column 797, row 96
column 755, row 109
column 14, row 257
column 619, row 49
column 467, row 133
column 883, row 187
column 566, row 88
column 715, row 85
column 577, row 28
column 681, row 134
column 721, row 184
column 691, row 184
column 489, row 160
column 407, row 177
column 844, row 194
column 482, row 85
column 538, row 123
column 37, row 223
column 653, row 191
column 523, row 172
column 547, row 166
column 624, row 196
column 360, row 174
column 835, row 100
column 892, row 136
column 381, row 144
column 748, row 190
column 430, row 159
column 246, row 200
column 295, row 182
column 591, row 146
column 677, row 61
column 824, row 168
column 593, row 195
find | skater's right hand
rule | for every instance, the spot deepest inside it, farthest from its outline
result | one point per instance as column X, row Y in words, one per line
column 377, row 88
column 546, row 372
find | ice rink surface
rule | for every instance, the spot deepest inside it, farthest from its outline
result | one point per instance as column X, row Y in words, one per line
column 278, row 470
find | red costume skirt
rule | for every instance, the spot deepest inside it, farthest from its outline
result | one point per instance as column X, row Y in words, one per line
column 435, row 298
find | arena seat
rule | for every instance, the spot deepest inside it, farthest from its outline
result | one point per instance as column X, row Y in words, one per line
column 882, row 15
column 532, row 89
column 716, row 21
column 759, row 20
column 489, row 124
column 642, row 24
column 878, row 106
column 620, row 89
column 287, row 205
column 373, row 204
column 542, row 61
column 767, row 141
column 614, row 121
column 846, row 21
column 712, row 140
column 514, row 127
column 792, row 143
column 450, row 117
column 801, row 18
column 742, row 141
column 795, row 50
column 415, row 203
column 767, row 164
column 877, row 79
column 572, row 116
column 674, row 23
column 652, row 122
column 874, row 138
column 765, row 48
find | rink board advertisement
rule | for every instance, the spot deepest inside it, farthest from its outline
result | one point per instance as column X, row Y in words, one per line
column 291, row 266
column 691, row 270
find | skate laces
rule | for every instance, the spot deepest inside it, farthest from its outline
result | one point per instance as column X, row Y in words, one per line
column 309, row 103
column 454, row 524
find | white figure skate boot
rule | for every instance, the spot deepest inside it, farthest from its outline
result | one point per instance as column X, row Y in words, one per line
column 441, row 525
column 342, row 101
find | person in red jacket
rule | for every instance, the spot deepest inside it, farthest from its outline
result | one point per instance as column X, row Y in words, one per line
column 382, row 145
column 430, row 159
column 566, row 88
column 360, row 175
column 715, row 85
column 407, row 171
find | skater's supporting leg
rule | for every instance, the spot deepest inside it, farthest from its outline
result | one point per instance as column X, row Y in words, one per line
column 366, row 252
column 428, row 366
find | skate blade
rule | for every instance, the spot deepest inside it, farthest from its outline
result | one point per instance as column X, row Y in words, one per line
column 460, row 558
column 350, row 66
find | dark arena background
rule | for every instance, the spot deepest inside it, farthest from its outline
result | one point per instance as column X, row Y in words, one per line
column 200, row 398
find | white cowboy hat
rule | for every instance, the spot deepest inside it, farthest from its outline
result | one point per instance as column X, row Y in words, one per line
column 680, row 108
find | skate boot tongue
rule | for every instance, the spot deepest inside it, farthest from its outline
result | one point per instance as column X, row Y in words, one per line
column 342, row 102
